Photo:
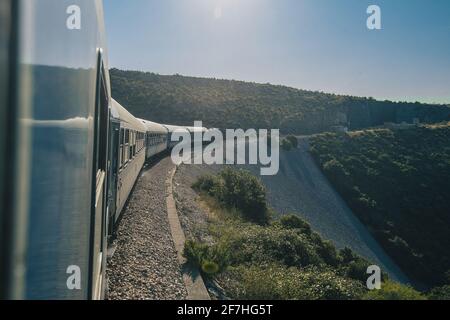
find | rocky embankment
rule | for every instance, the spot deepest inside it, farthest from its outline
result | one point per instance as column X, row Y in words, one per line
column 145, row 264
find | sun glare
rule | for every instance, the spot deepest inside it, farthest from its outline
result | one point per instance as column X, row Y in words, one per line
column 218, row 12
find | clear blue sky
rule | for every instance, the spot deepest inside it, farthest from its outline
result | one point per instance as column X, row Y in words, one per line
column 310, row 44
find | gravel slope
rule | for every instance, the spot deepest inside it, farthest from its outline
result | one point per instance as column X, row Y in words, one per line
column 145, row 265
column 300, row 187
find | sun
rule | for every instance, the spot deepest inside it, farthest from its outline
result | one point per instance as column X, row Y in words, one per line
column 217, row 12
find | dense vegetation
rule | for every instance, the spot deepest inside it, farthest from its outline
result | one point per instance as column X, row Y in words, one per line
column 397, row 182
column 276, row 259
column 235, row 104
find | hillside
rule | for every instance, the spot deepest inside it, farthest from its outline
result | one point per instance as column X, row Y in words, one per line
column 397, row 182
column 236, row 240
column 235, row 104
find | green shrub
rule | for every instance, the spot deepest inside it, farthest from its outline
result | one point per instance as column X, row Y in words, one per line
column 195, row 253
column 292, row 221
column 210, row 268
column 440, row 293
column 210, row 184
column 357, row 270
column 247, row 193
column 327, row 251
column 394, row 291
column 347, row 255
column 209, row 259
column 276, row 282
column 240, row 190
column 249, row 244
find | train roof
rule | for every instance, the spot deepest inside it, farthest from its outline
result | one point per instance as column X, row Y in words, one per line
column 119, row 112
column 172, row 128
column 154, row 127
column 196, row 129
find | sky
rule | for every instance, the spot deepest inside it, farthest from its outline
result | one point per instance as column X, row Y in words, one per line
column 320, row 45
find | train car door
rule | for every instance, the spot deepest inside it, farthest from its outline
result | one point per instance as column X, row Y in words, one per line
column 114, row 170
column 99, row 198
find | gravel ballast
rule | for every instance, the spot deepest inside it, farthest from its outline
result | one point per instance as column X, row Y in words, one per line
column 145, row 265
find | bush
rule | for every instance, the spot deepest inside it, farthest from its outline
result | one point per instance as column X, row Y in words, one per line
column 327, row 251
column 206, row 183
column 252, row 244
column 357, row 270
column 240, row 190
column 292, row 221
column 195, row 253
column 440, row 293
column 347, row 255
column 276, row 282
column 245, row 192
column 279, row 243
column 209, row 259
column 394, row 291
column 210, row 268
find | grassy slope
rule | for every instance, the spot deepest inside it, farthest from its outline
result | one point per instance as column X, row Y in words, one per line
column 397, row 182
column 280, row 259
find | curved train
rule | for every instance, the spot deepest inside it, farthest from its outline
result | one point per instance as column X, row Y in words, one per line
column 69, row 153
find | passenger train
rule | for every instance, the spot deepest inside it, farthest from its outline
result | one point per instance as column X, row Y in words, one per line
column 69, row 154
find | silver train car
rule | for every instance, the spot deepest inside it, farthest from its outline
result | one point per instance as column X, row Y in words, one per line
column 171, row 129
column 55, row 157
column 157, row 137
column 128, row 147
column 69, row 153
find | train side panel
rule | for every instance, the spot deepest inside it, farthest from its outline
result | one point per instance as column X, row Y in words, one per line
column 128, row 175
column 131, row 155
column 61, row 185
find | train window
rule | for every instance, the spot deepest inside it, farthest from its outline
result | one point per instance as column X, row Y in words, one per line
column 125, row 146
column 121, row 136
column 133, row 143
column 138, row 147
column 139, row 141
column 122, row 133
